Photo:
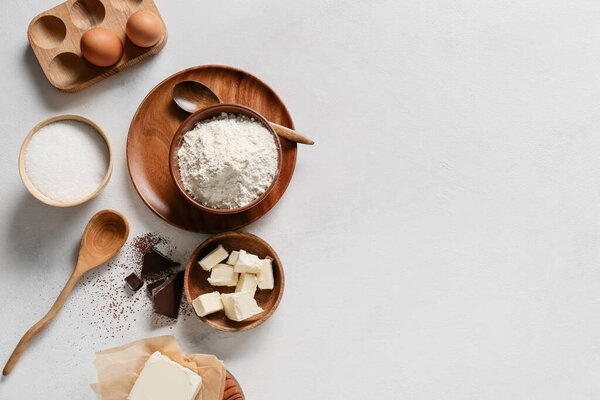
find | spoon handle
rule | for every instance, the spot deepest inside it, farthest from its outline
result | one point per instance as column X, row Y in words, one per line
column 290, row 134
column 41, row 324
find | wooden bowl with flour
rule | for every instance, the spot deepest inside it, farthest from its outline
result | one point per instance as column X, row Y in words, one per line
column 189, row 124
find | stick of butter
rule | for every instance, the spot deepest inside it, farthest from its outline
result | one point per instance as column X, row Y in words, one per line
column 233, row 257
column 240, row 306
column 213, row 258
column 207, row 303
column 162, row 378
column 247, row 262
column 247, row 283
column 223, row 275
column 265, row 274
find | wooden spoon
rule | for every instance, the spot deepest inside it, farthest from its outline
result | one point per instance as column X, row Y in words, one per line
column 191, row 96
column 102, row 238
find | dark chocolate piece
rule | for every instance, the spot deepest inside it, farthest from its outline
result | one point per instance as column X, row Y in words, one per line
column 134, row 282
column 154, row 284
column 167, row 296
column 156, row 262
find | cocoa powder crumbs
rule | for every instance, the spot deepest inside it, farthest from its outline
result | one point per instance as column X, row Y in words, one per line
column 105, row 303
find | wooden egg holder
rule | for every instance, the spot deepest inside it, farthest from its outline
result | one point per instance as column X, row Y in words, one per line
column 54, row 36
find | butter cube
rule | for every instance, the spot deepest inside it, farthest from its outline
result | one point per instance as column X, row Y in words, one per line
column 264, row 275
column 162, row 378
column 246, row 283
column 240, row 306
column 246, row 262
column 213, row 258
column 207, row 303
column 223, row 275
column 233, row 257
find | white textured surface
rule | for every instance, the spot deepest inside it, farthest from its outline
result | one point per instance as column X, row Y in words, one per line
column 440, row 241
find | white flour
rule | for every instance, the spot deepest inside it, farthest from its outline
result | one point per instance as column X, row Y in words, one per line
column 228, row 161
column 66, row 160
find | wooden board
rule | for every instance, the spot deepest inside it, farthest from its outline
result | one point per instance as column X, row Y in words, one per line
column 154, row 125
column 54, row 36
column 233, row 390
column 196, row 282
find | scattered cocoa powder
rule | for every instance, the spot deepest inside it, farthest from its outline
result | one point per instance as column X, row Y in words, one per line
column 103, row 299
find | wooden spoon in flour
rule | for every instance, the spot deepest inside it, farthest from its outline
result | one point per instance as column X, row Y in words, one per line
column 102, row 238
column 192, row 96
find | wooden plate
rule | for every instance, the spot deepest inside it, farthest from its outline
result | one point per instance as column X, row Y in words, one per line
column 233, row 390
column 196, row 282
column 154, row 125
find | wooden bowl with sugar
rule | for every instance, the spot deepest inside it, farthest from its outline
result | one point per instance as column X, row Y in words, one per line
column 207, row 113
column 196, row 282
column 34, row 190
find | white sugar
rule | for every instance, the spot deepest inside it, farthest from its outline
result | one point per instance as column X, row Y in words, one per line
column 66, row 160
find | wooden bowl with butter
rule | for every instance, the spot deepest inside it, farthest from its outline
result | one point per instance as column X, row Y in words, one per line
column 196, row 279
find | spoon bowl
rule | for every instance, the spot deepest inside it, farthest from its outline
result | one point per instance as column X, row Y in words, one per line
column 192, row 96
column 102, row 238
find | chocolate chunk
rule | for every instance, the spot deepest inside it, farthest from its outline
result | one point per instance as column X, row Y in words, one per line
column 134, row 282
column 154, row 284
column 167, row 296
column 156, row 262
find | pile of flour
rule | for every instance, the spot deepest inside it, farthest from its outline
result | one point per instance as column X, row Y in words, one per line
column 227, row 161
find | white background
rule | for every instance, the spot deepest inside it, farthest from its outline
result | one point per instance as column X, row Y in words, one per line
column 440, row 241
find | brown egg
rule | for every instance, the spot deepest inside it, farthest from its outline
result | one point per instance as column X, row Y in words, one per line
column 144, row 28
column 101, row 47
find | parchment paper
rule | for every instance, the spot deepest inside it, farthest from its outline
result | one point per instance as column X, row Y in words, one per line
column 118, row 368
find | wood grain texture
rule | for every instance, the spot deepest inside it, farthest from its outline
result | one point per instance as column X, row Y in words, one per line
column 291, row 134
column 233, row 390
column 102, row 238
column 33, row 190
column 196, row 284
column 54, row 36
column 157, row 120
